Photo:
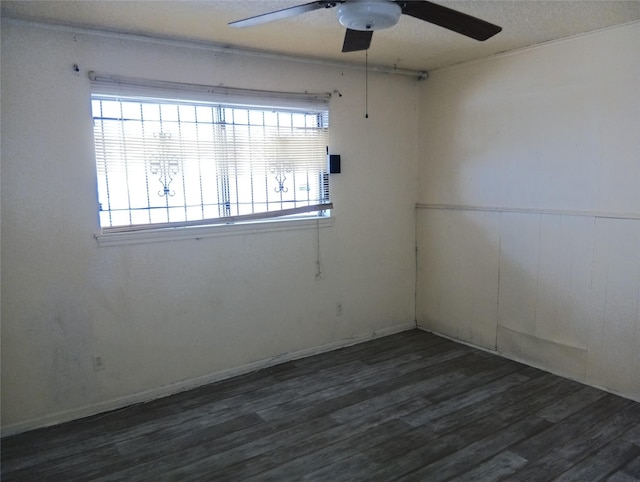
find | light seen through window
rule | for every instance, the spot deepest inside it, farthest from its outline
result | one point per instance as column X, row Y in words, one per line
column 161, row 161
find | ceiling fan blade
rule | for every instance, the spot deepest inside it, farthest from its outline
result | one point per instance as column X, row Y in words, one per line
column 355, row 40
column 282, row 14
column 450, row 19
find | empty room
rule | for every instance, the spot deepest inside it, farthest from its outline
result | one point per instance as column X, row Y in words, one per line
column 352, row 240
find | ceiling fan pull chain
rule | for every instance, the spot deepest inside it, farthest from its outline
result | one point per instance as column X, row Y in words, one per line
column 366, row 84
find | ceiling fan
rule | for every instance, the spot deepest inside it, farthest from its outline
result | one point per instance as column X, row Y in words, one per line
column 362, row 17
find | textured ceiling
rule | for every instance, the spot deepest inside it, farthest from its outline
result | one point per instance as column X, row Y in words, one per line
column 411, row 44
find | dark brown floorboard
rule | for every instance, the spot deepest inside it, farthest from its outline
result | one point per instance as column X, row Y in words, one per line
column 411, row 406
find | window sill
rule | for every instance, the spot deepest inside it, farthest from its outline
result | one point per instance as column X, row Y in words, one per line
column 201, row 232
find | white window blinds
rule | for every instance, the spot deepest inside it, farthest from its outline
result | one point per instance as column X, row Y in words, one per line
column 176, row 155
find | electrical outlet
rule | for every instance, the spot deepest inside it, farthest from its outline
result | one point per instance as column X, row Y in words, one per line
column 339, row 308
column 98, row 363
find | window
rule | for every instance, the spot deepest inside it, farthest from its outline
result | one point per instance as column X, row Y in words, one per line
column 172, row 155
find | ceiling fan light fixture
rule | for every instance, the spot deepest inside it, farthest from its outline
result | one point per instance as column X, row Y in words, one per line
column 368, row 15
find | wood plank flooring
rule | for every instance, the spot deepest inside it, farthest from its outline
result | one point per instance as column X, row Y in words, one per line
column 410, row 407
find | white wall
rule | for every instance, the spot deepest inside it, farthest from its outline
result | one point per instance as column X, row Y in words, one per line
column 174, row 314
column 529, row 206
column 528, row 224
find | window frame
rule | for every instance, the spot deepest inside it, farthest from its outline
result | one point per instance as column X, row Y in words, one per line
column 102, row 86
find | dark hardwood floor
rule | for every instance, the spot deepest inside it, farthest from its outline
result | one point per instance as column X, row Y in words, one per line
column 411, row 406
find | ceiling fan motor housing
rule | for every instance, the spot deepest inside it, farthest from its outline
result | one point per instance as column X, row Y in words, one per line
column 368, row 14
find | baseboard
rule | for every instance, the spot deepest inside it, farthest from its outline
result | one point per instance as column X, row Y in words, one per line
column 167, row 390
column 531, row 364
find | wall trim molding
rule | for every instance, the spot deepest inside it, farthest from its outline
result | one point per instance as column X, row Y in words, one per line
column 517, row 210
column 216, row 47
column 185, row 385
column 527, row 362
